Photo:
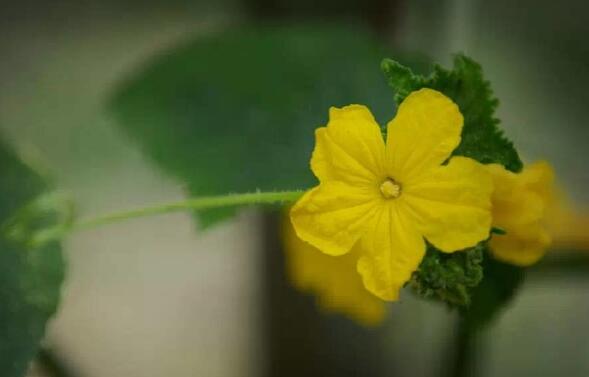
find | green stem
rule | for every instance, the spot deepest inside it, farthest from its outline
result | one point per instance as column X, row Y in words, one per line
column 464, row 362
column 206, row 202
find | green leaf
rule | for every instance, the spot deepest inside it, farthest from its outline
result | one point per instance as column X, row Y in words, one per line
column 236, row 111
column 30, row 278
column 401, row 79
column 499, row 284
column 470, row 280
column 453, row 279
column 482, row 139
column 449, row 278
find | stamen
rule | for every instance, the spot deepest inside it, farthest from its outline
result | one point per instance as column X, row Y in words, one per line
column 390, row 189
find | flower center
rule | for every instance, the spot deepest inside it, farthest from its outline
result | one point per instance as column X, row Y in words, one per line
column 390, row 189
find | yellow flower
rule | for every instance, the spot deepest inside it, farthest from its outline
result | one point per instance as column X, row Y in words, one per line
column 334, row 280
column 521, row 203
column 387, row 198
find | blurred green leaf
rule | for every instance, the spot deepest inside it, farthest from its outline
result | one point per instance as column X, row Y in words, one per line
column 499, row 284
column 482, row 139
column 236, row 111
column 30, row 278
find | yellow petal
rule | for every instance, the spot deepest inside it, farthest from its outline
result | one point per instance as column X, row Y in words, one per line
column 513, row 203
column 423, row 134
column 452, row 205
column 521, row 204
column 333, row 215
column 334, row 280
column 521, row 246
column 391, row 251
column 539, row 178
column 350, row 148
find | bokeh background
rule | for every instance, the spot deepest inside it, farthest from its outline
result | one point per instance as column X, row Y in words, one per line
column 159, row 297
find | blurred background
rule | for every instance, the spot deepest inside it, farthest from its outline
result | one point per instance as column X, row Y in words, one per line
column 159, row 297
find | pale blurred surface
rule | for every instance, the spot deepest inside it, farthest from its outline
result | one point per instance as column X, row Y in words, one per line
column 151, row 297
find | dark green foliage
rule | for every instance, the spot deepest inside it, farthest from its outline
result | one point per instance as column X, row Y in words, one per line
column 497, row 288
column 236, row 112
column 401, row 79
column 30, row 278
column 482, row 139
column 455, row 278
column 449, row 277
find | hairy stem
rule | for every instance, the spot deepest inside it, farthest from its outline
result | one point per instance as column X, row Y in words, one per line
column 47, row 235
column 205, row 202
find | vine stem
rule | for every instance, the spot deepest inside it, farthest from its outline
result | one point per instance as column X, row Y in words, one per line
column 205, row 202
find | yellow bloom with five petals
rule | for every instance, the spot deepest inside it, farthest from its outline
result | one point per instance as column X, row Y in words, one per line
column 386, row 199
